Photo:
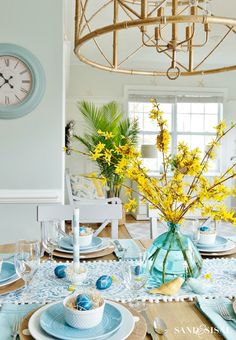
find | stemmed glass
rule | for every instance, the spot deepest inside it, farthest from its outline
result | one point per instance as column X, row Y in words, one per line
column 50, row 237
column 27, row 260
column 135, row 274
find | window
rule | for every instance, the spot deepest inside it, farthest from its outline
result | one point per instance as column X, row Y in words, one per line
column 190, row 119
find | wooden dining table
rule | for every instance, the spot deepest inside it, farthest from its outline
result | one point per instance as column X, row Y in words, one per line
column 183, row 319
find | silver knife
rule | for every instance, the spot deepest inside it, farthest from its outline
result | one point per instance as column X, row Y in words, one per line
column 150, row 329
column 118, row 245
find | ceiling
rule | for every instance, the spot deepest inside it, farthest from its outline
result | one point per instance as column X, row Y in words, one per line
column 148, row 57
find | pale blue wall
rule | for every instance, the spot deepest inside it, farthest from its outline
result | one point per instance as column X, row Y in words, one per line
column 31, row 154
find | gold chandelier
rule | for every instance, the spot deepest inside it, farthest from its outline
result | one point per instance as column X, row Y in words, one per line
column 179, row 32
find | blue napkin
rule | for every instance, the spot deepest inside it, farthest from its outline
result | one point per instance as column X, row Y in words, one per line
column 209, row 308
column 9, row 314
column 132, row 249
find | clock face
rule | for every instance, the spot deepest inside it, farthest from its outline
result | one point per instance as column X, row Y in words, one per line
column 15, row 80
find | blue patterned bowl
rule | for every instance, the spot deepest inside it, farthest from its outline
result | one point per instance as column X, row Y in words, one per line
column 82, row 319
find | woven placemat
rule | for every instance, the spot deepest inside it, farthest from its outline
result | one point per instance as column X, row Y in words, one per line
column 101, row 253
column 138, row 333
column 12, row 287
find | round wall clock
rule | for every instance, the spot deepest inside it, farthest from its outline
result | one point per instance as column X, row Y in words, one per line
column 22, row 81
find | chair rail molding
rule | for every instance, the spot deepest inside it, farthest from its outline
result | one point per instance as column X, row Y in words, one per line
column 30, row 196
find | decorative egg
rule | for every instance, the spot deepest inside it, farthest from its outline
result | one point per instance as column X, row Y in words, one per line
column 60, row 271
column 204, row 228
column 82, row 230
column 138, row 270
column 83, row 302
column 104, row 282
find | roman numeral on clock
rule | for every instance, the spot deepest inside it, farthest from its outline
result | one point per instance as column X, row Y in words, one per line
column 7, row 101
column 17, row 98
column 25, row 81
column 23, row 90
column 7, row 62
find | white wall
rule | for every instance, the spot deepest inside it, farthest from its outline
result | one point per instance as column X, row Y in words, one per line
column 99, row 86
column 31, row 157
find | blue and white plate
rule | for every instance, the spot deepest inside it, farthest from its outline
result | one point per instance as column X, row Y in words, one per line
column 52, row 321
column 226, row 247
column 8, row 271
column 219, row 242
column 65, row 243
column 123, row 332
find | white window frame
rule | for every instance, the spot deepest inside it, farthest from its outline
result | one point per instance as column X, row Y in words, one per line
column 151, row 91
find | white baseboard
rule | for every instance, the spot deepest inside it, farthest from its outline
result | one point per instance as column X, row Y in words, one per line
column 30, row 196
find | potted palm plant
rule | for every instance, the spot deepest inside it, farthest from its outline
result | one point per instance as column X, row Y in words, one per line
column 107, row 126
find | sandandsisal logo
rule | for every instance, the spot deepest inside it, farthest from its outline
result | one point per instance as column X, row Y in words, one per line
column 199, row 331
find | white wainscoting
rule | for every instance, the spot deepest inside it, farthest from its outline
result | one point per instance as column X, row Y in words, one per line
column 30, row 196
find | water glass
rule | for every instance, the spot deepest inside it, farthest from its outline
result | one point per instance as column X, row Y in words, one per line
column 195, row 229
column 135, row 274
column 27, row 260
column 50, row 237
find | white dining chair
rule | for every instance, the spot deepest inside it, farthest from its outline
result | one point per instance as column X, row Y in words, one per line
column 89, row 213
column 102, row 210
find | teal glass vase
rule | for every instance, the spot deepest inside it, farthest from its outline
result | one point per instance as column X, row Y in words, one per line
column 172, row 255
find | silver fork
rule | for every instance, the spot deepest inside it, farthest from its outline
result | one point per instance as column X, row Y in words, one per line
column 225, row 314
column 15, row 328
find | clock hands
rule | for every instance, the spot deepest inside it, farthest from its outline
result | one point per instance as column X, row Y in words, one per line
column 6, row 81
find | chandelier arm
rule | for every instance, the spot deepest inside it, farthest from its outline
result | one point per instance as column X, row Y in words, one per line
column 187, row 40
column 161, row 51
column 213, row 50
column 145, row 43
column 143, row 32
column 165, row 25
column 212, row 15
column 129, row 9
column 161, row 34
column 205, row 42
column 200, row 45
column 94, row 14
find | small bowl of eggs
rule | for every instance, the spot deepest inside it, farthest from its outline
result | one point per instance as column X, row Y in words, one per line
column 83, row 310
column 85, row 236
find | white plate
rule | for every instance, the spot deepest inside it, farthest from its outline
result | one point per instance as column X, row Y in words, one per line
column 11, row 280
column 123, row 332
column 229, row 246
column 234, row 306
column 82, row 252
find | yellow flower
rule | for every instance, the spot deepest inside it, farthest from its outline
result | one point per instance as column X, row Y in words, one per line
column 208, row 276
column 106, row 134
column 163, row 141
column 131, row 205
column 220, row 128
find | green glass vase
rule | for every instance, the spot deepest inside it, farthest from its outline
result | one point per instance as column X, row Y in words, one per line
column 172, row 255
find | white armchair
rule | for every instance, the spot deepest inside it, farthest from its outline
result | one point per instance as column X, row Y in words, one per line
column 96, row 210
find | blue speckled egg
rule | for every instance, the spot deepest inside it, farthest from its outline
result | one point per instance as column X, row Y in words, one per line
column 138, row 270
column 59, row 271
column 83, row 302
column 104, row 282
column 82, row 230
column 204, row 228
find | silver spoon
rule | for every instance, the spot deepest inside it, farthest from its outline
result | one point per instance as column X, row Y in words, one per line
column 159, row 326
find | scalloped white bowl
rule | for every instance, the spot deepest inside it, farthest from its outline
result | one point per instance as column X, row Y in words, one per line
column 82, row 319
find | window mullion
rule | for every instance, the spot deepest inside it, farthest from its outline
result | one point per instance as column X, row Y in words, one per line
column 174, row 126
